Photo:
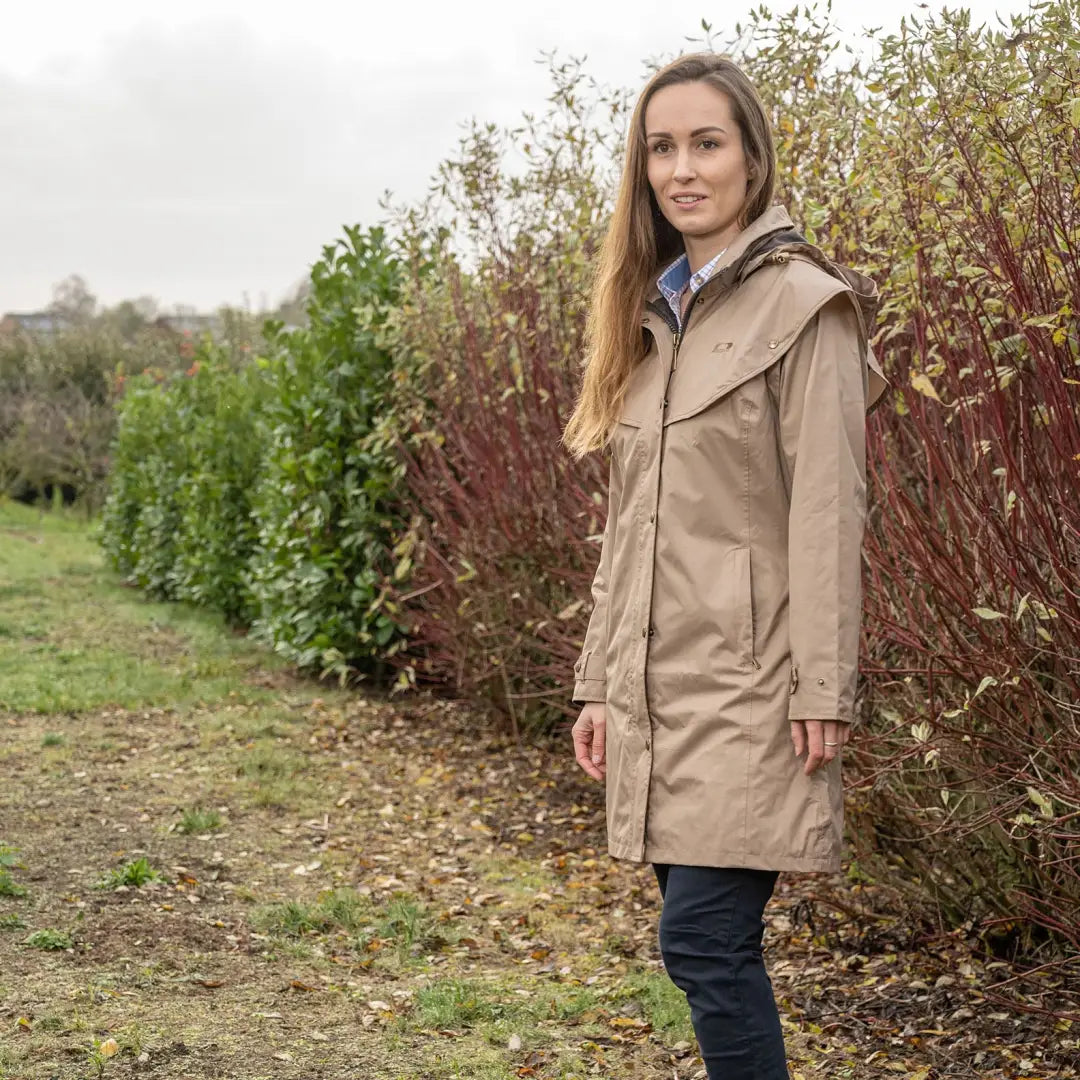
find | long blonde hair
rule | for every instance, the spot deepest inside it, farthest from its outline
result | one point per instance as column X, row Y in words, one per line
column 639, row 240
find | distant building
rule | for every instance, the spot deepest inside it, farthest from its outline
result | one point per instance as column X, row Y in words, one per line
column 193, row 325
column 33, row 322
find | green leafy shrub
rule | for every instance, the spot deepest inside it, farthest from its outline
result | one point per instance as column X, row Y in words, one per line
column 141, row 518
column 221, row 408
column 177, row 519
column 325, row 507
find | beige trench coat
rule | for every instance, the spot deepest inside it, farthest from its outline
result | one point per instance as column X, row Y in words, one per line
column 727, row 597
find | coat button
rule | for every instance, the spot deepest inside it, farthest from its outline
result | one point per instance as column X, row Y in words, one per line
column 665, row 403
column 773, row 344
column 821, row 682
column 652, row 517
column 652, row 631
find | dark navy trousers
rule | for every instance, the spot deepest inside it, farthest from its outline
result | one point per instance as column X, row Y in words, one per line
column 710, row 938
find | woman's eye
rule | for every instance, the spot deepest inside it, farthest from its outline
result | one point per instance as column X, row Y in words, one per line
column 659, row 147
column 709, row 144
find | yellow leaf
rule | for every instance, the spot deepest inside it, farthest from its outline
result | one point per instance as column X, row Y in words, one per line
column 570, row 610
column 109, row 1047
column 1046, row 807
column 922, row 383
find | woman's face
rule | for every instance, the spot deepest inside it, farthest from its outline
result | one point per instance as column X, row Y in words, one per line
column 696, row 166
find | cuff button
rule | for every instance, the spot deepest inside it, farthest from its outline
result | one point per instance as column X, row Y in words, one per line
column 821, row 682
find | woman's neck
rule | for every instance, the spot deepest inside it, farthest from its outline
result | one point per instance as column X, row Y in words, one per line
column 700, row 250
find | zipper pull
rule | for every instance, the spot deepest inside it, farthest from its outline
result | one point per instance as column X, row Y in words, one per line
column 675, row 355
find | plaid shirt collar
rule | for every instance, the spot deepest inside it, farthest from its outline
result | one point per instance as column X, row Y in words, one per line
column 674, row 280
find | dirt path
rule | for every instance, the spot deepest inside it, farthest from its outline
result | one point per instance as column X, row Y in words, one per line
column 354, row 888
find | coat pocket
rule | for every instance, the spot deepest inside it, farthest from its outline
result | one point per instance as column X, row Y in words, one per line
column 743, row 593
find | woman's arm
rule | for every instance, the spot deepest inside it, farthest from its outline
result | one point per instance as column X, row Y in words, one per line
column 822, row 415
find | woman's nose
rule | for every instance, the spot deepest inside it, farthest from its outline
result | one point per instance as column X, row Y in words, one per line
column 684, row 168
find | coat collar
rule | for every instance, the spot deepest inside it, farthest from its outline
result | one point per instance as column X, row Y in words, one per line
column 761, row 235
column 764, row 239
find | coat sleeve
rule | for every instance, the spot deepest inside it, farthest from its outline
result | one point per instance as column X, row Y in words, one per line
column 590, row 675
column 822, row 417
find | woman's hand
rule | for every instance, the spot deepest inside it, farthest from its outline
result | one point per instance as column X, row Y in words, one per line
column 820, row 739
column 589, row 731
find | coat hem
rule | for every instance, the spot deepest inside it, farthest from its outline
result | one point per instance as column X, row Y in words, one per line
column 820, row 864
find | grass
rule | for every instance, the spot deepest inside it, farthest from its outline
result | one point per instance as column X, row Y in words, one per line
column 453, row 1003
column 662, row 1002
column 49, row 663
column 197, row 820
column 403, row 926
column 410, row 926
column 340, row 909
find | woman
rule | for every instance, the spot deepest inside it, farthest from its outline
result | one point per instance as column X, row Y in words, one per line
column 730, row 373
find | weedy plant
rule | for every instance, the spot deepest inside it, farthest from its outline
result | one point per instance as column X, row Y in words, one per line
column 50, row 939
column 9, row 859
column 134, row 874
column 101, row 1052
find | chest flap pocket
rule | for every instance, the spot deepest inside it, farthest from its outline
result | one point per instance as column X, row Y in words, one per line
column 708, row 371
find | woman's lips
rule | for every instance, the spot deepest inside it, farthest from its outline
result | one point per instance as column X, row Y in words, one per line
column 689, row 204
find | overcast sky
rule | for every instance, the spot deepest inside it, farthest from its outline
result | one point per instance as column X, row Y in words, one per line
column 200, row 151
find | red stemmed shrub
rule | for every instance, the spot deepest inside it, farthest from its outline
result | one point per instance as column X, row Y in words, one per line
column 505, row 527
column 948, row 170
column 968, row 770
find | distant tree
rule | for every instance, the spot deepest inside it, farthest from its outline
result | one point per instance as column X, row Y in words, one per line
column 293, row 309
column 73, row 300
column 146, row 306
column 129, row 316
